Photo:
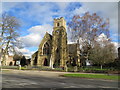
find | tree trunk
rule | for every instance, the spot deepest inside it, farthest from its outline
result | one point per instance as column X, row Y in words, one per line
column 4, row 60
column 101, row 67
column 5, row 52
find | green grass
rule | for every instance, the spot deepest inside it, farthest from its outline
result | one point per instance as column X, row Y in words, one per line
column 96, row 76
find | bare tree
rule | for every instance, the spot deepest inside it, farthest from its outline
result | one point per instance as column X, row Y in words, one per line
column 9, row 33
column 17, row 56
column 102, row 53
column 87, row 28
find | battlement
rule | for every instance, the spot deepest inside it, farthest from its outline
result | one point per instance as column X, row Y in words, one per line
column 58, row 22
column 58, row 18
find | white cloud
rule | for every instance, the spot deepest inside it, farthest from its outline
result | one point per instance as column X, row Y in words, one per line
column 80, row 10
column 116, row 46
column 25, row 51
column 102, row 37
column 41, row 29
column 36, row 35
column 33, row 39
column 62, row 5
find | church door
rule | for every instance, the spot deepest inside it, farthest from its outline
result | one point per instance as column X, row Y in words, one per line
column 46, row 62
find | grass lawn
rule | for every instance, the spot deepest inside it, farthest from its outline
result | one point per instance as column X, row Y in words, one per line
column 97, row 76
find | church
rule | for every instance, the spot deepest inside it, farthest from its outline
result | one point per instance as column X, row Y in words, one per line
column 54, row 50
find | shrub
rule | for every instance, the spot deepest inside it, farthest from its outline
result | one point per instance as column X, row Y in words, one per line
column 9, row 67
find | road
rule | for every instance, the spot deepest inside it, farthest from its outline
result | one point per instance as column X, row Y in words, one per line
column 48, row 79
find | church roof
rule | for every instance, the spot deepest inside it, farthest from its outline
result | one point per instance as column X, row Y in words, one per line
column 48, row 35
column 35, row 53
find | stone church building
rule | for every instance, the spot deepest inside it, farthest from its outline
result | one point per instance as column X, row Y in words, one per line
column 54, row 51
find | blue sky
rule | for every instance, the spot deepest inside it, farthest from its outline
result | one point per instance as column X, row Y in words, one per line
column 36, row 18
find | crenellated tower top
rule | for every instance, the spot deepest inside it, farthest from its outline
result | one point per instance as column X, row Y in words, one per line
column 59, row 22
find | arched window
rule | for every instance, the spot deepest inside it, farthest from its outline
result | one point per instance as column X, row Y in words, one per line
column 46, row 49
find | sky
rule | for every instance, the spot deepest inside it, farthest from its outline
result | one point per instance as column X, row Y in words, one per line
column 36, row 18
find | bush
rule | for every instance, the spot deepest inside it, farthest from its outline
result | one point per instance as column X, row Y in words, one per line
column 9, row 67
column 71, row 69
column 23, row 68
column 46, row 68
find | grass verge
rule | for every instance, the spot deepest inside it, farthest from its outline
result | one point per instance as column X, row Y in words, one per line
column 5, row 70
column 95, row 76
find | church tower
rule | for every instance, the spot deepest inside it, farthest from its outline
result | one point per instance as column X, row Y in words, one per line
column 59, row 43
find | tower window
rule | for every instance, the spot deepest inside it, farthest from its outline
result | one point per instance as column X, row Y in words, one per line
column 58, row 24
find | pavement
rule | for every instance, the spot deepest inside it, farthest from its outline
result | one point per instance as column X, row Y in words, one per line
column 50, row 79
